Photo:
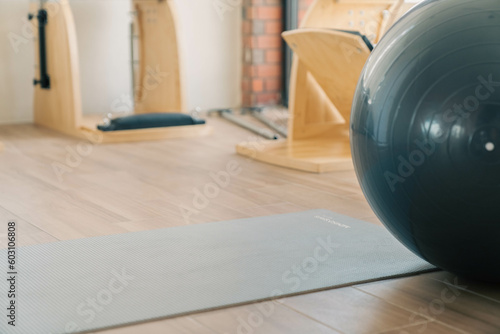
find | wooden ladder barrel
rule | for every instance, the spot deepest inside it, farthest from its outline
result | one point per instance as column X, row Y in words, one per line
column 328, row 60
column 60, row 107
column 159, row 76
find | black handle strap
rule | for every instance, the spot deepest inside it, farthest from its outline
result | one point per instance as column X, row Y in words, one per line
column 44, row 80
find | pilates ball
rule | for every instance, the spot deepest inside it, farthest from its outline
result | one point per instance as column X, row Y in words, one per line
column 425, row 134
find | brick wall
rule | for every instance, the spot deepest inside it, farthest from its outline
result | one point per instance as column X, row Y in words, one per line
column 262, row 54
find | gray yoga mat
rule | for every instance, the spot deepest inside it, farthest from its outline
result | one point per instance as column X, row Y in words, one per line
column 88, row 284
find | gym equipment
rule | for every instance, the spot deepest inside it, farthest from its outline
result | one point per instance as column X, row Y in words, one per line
column 42, row 18
column 328, row 60
column 228, row 115
column 257, row 113
column 57, row 104
column 181, row 270
column 426, row 134
column 147, row 121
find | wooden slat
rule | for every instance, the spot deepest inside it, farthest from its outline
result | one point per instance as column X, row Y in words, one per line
column 335, row 59
column 462, row 310
column 26, row 233
column 351, row 311
column 262, row 318
column 315, row 155
column 482, row 289
column 186, row 325
column 426, row 327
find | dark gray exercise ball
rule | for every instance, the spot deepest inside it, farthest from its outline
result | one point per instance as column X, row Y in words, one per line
column 425, row 134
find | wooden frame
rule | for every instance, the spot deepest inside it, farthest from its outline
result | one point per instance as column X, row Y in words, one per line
column 60, row 107
column 326, row 67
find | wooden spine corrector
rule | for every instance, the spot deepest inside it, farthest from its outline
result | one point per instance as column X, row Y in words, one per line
column 326, row 67
column 57, row 100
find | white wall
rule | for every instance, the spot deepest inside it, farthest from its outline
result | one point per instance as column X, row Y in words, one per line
column 103, row 32
column 210, row 43
column 212, row 52
column 16, row 62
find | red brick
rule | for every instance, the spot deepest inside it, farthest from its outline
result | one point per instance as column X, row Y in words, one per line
column 268, row 41
column 248, row 100
column 274, row 56
column 268, row 98
column 268, row 12
column 249, row 13
column 273, row 85
column 274, row 27
column 267, row 71
column 247, row 27
column 245, row 85
column 262, row 56
column 250, row 41
column 250, row 70
column 257, row 85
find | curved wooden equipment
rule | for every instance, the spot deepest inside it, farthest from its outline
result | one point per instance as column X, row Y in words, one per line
column 158, row 76
column 325, row 72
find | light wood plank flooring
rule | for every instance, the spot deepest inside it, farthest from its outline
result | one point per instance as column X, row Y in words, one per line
column 133, row 187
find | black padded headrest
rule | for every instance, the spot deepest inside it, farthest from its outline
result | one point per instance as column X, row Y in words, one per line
column 357, row 33
column 146, row 121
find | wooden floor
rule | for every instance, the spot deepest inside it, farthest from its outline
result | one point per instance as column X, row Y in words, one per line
column 56, row 193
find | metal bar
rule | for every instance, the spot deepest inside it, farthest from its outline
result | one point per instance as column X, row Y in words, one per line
column 42, row 44
column 132, row 60
column 279, row 129
column 266, row 133
column 290, row 22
